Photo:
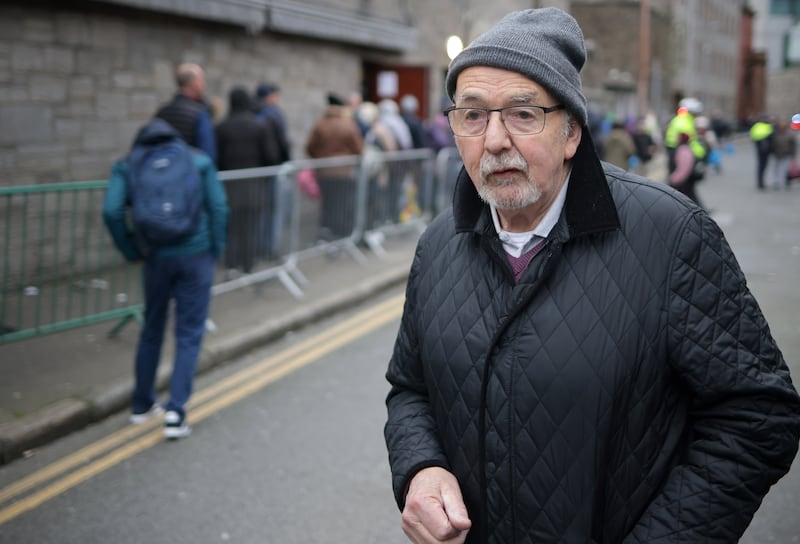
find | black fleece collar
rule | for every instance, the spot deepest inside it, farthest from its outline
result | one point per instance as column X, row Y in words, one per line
column 589, row 207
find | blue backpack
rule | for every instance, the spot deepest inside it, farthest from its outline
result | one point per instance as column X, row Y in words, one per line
column 164, row 189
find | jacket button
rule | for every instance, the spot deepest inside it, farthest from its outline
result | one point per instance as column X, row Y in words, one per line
column 491, row 467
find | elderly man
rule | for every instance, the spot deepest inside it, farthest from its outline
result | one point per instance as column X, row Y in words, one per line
column 579, row 358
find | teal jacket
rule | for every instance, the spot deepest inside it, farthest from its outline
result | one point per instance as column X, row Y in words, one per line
column 211, row 232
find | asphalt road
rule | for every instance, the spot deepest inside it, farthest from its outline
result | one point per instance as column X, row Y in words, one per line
column 293, row 453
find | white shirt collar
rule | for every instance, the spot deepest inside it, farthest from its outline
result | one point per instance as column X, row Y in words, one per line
column 517, row 243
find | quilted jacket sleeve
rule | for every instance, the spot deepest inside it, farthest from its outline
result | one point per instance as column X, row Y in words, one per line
column 410, row 430
column 745, row 412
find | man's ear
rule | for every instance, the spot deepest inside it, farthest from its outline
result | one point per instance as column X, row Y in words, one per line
column 574, row 134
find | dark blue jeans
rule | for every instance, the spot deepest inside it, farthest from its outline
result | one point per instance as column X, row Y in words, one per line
column 762, row 158
column 188, row 281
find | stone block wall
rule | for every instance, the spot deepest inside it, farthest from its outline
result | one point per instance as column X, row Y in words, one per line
column 76, row 85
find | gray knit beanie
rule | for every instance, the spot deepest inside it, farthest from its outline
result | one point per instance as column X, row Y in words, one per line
column 545, row 45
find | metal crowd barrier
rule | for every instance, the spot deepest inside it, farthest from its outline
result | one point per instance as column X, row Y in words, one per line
column 60, row 269
column 448, row 164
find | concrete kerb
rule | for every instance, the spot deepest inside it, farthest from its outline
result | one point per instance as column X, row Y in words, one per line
column 234, row 345
column 69, row 415
column 50, row 423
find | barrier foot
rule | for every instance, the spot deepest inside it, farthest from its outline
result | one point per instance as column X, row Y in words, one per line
column 295, row 273
column 355, row 253
column 260, row 277
column 137, row 315
column 290, row 285
column 374, row 241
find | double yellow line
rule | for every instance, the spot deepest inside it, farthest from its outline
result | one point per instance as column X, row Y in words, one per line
column 127, row 442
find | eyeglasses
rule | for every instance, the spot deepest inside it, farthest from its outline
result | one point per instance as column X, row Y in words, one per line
column 518, row 120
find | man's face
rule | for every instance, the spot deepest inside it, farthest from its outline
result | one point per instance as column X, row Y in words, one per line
column 513, row 172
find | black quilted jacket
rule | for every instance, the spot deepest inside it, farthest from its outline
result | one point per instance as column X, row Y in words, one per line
column 627, row 389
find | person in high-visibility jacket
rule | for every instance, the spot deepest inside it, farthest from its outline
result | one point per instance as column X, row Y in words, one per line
column 761, row 133
column 684, row 123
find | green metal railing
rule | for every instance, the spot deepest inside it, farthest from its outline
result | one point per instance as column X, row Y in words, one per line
column 59, row 267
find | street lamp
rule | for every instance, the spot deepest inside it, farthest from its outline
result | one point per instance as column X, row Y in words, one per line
column 454, row 46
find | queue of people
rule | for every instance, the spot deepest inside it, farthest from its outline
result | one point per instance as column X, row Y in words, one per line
column 237, row 223
column 261, row 206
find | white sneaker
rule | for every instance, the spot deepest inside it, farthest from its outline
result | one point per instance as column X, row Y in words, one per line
column 174, row 426
column 138, row 419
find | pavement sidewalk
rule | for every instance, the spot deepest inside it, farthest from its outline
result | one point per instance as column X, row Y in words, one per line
column 55, row 384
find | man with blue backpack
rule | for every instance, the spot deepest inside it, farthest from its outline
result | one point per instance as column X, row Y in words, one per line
column 177, row 226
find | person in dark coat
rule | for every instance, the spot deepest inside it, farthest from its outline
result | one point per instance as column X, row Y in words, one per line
column 409, row 111
column 336, row 134
column 244, row 142
column 188, row 111
column 269, row 112
column 619, row 146
column 579, row 358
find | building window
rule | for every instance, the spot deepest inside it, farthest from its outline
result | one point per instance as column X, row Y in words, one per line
column 791, row 47
column 785, row 7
